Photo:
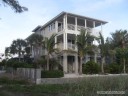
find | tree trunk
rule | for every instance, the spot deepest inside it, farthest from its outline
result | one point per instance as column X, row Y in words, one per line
column 19, row 56
column 102, row 64
column 80, row 72
column 48, row 61
column 124, row 65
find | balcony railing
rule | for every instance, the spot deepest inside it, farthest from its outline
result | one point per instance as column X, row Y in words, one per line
column 71, row 27
column 60, row 28
column 70, row 46
column 60, row 46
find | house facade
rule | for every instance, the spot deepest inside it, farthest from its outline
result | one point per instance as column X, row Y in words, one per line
column 67, row 26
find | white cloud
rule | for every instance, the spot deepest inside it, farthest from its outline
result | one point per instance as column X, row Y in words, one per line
column 81, row 6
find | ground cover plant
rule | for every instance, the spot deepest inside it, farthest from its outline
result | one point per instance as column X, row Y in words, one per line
column 87, row 87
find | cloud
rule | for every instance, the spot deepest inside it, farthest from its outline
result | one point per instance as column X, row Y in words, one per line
column 81, row 6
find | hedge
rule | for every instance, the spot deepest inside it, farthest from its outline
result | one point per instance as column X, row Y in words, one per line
column 91, row 68
column 52, row 74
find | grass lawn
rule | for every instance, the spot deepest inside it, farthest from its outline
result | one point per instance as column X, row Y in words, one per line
column 88, row 87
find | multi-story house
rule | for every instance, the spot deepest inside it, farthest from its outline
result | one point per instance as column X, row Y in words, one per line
column 67, row 26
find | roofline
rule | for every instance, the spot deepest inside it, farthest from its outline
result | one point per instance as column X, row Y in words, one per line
column 63, row 13
column 38, row 27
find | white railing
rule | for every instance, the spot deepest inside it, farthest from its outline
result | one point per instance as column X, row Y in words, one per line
column 60, row 46
column 71, row 27
column 60, row 28
column 80, row 27
column 71, row 46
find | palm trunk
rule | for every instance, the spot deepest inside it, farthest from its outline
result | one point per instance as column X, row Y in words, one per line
column 124, row 65
column 19, row 56
column 48, row 61
column 80, row 72
column 102, row 64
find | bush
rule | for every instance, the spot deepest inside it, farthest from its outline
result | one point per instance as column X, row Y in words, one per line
column 91, row 68
column 52, row 74
column 6, row 80
column 114, row 68
column 17, row 64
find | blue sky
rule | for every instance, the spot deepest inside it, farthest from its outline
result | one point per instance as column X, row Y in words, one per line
column 13, row 26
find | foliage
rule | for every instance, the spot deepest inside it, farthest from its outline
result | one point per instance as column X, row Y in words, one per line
column 81, row 41
column 52, row 63
column 91, row 68
column 14, row 4
column 52, row 74
column 6, row 80
column 114, row 68
column 16, row 64
column 87, row 87
column 36, row 42
column 49, row 45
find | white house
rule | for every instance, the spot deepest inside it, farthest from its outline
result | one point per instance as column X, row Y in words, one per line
column 67, row 26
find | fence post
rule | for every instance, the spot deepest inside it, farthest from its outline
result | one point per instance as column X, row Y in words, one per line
column 38, row 76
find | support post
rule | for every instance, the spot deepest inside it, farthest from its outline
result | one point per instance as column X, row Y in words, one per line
column 76, row 64
column 64, row 41
column 64, row 23
column 65, row 62
column 56, row 26
column 75, row 23
column 56, row 42
column 85, row 23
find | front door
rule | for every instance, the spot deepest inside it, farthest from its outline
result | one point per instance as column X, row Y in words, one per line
column 71, row 68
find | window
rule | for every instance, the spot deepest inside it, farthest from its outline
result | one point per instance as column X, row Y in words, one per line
column 49, row 27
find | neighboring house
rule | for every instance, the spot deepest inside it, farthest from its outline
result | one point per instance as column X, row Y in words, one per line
column 67, row 26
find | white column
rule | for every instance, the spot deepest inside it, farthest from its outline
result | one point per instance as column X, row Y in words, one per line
column 93, row 24
column 66, row 43
column 63, row 40
column 76, row 64
column 101, row 28
column 56, row 26
column 75, row 23
column 64, row 23
column 65, row 62
column 85, row 23
column 56, row 42
column 95, row 57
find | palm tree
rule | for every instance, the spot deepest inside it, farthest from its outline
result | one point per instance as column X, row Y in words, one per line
column 18, row 47
column 14, row 4
column 102, row 51
column 81, row 41
column 35, row 41
column 49, row 44
column 120, row 40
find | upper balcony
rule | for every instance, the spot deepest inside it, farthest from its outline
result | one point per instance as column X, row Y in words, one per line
column 75, row 24
column 76, row 29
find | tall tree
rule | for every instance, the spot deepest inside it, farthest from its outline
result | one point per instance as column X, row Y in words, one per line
column 14, row 4
column 120, row 40
column 49, row 44
column 18, row 47
column 35, row 41
column 102, row 50
column 81, row 41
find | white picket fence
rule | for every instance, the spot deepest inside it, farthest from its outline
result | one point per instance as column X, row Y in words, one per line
column 30, row 73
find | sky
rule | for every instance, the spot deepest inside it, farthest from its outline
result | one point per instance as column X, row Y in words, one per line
column 14, row 25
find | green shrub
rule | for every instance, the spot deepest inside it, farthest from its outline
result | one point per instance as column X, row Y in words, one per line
column 52, row 74
column 91, row 68
column 6, row 80
column 17, row 64
column 114, row 68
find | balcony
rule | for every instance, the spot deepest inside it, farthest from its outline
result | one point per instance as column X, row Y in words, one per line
column 70, row 46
